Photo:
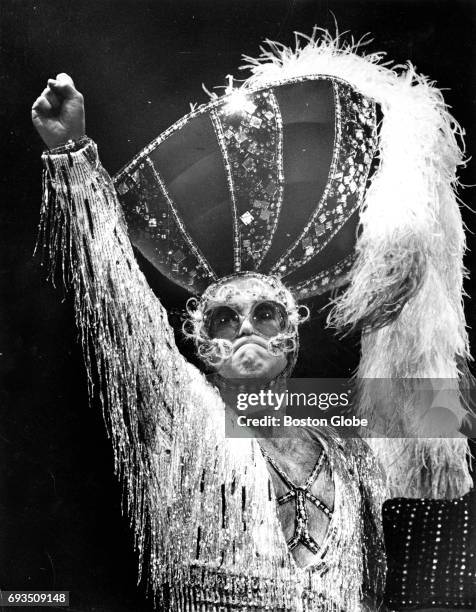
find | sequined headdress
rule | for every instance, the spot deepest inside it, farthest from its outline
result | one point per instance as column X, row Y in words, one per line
column 291, row 174
column 265, row 178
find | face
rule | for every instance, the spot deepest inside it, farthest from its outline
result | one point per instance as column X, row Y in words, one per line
column 247, row 315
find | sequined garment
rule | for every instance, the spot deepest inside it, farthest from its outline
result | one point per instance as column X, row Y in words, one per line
column 268, row 184
column 431, row 552
column 207, row 534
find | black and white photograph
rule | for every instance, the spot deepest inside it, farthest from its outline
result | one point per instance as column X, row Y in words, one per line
column 238, row 305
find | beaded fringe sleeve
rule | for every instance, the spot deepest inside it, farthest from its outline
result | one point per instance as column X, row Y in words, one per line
column 206, row 531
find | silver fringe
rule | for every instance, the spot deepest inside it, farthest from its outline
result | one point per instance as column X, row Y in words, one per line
column 206, row 532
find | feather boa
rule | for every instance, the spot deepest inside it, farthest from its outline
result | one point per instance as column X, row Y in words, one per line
column 405, row 289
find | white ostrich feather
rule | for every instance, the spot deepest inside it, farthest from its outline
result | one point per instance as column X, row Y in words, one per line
column 405, row 290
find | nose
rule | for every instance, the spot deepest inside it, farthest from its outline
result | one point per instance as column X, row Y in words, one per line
column 246, row 328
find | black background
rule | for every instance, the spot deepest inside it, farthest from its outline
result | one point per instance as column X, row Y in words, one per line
column 139, row 64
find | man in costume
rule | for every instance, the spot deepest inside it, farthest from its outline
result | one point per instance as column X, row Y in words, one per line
column 253, row 201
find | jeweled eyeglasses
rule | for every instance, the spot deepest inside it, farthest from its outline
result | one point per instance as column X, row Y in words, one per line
column 268, row 319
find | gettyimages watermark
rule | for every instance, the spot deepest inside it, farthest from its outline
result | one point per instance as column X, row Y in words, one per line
column 434, row 408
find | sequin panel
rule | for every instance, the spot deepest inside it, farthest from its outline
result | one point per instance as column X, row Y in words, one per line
column 252, row 136
column 155, row 231
column 430, row 552
column 325, row 280
column 355, row 143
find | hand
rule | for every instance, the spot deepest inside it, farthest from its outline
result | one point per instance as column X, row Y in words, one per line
column 58, row 114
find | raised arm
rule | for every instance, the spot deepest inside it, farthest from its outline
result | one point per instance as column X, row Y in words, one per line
column 180, row 473
column 124, row 328
column 154, row 402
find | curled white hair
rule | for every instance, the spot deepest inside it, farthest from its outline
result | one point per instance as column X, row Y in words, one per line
column 215, row 351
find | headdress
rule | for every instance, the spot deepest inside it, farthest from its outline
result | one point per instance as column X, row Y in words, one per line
column 293, row 175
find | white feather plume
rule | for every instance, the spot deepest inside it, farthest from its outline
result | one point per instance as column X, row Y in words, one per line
column 405, row 289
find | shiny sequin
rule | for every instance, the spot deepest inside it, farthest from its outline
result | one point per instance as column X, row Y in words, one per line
column 355, row 143
column 250, row 139
column 326, row 279
column 153, row 220
column 253, row 142
column 231, row 186
column 430, row 553
column 300, row 495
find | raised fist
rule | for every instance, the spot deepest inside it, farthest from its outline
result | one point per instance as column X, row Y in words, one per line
column 58, row 114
